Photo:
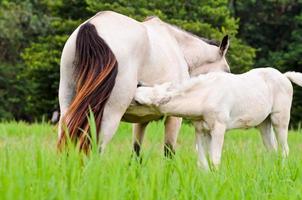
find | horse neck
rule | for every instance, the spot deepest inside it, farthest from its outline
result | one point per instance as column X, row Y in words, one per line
column 195, row 50
column 178, row 98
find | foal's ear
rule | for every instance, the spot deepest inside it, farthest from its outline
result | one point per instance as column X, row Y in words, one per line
column 224, row 45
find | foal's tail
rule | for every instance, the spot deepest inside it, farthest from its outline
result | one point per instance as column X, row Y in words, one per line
column 95, row 73
column 295, row 77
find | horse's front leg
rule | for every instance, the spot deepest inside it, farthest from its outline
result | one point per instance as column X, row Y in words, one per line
column 172, row 127
column 201, row 146
column 216, row 144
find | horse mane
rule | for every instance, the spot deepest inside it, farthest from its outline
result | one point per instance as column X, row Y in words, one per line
column 208, row 41
column 150, row 17
column 211, row 42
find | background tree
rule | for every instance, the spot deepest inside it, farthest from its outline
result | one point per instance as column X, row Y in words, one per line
column 20, row 23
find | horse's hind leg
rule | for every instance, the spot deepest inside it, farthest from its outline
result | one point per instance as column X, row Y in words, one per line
column 280, row 122
column 268, row 135
column 138, row 136
column 66, row 94
column 67, row 82
column 110, row 122
column 201, row 146
column 217, row 139
column 172, row 127
column 119, row 100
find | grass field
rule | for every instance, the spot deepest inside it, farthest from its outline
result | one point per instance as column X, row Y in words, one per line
column 30, row 168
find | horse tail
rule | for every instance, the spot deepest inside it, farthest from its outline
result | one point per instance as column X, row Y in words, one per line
column 95, row 70
column 295, row 77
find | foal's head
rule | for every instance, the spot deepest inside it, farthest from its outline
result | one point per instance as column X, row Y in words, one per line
column 213, row 60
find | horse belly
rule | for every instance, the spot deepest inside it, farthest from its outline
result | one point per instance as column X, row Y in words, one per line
column 248, row 121
column 141, row 114
column 250, row 113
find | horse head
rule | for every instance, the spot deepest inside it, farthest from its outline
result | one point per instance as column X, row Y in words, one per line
column 211, row 58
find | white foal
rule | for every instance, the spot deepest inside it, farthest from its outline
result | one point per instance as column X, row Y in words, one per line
column 218, row 101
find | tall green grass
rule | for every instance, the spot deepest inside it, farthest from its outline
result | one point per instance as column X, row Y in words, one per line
column 31, row 168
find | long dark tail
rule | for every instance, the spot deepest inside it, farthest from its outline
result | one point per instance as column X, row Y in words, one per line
column 95, row 73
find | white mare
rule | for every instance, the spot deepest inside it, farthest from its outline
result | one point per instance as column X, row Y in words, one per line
column 151, row 52
column 218, row 101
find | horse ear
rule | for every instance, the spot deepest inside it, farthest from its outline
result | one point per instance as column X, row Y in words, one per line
column 224, row 45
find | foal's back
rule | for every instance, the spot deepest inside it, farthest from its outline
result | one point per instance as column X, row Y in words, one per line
column 274, row 80
column 241, row 100
column 279, row 86
column 266, row 83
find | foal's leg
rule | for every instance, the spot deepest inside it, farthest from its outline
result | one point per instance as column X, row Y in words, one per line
column 138, row 136
column 282, row 133
column 205, row 136
column 172, row 127
column 280, row 122
column 201, row 149
column 217, row 139
column 268, row 135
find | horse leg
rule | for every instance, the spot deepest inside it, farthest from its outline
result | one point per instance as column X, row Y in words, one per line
column 280, row 119
column 118, row 102
column 206, row 139
column 172, row 127
column 109, row 126
column 217, row 139
column 66, row 94
column 268, row 135
column 280, row 122
column 201, row 149
column 110, row 122
column 67, row 83
column 138, row 136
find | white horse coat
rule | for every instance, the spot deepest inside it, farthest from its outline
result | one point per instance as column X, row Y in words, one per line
column 221, row 101
column 152, row 52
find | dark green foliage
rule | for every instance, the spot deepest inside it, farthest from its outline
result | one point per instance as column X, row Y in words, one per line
column 31, row 43
column 42, row 69
column 21, row 22
column 42, row 61
column 12, row 87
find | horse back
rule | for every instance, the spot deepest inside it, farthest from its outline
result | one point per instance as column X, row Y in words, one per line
column 147, row 44
column 126, row 37
column 166, row 60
